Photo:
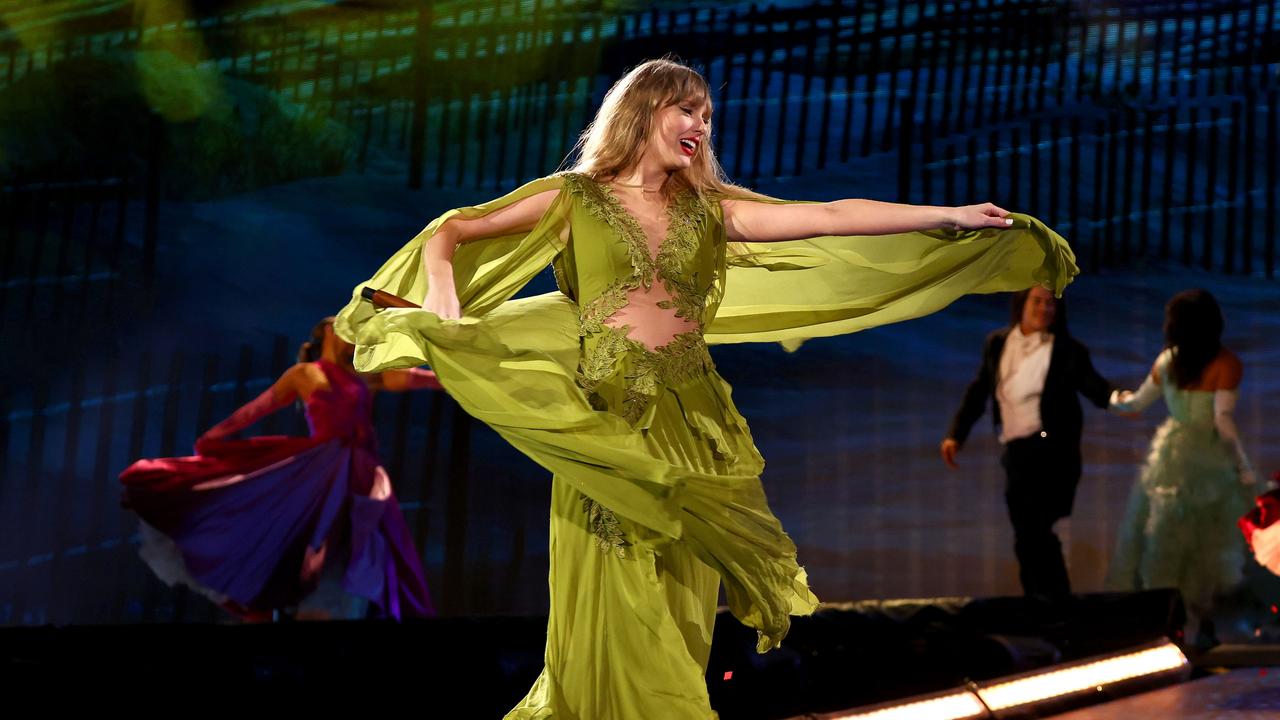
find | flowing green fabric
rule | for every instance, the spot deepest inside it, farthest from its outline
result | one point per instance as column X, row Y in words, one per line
column 656, row 497
column 792, row 291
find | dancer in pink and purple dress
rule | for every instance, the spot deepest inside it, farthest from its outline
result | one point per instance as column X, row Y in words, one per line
column 275, row 522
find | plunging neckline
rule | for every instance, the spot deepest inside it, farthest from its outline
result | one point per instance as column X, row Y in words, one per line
column 636, row 228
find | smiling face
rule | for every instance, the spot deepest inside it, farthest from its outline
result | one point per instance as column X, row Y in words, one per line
column 1038, row 311
column 654, row 120
column 679, row 132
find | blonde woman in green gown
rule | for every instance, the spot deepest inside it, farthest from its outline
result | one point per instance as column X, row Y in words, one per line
column 609, row 385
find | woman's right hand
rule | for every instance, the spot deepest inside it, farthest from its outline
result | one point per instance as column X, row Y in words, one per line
column 442, row 299
column 1119, row 400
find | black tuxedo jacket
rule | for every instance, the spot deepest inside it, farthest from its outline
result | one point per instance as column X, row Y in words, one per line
column 1071, row 373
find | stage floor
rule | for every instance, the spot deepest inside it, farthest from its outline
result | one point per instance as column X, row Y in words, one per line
column 1242, row 694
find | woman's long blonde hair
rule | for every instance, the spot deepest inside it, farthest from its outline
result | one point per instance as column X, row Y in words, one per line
column 615, row 139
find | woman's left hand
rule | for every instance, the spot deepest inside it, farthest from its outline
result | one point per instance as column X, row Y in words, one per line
column 976, row 217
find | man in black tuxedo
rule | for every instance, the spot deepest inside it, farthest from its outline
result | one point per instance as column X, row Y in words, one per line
column 1032, row 371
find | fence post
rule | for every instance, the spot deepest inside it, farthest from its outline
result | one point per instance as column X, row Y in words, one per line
column 1273, row 185
column 905, row 140
column 1166, row 197
column 455, row 543
column 155, row 161
column 418, row 133
column 1188, row 217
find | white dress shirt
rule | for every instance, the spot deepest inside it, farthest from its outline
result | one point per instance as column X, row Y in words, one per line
column 1024, row 364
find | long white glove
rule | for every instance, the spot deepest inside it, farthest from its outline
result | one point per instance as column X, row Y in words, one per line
column 1123, row 401
column 1224, row 407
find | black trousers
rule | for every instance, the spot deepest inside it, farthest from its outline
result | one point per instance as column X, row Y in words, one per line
column 1042, row 476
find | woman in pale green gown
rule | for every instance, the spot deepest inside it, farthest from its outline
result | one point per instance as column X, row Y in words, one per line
column 608, row 383
column 1179, row 529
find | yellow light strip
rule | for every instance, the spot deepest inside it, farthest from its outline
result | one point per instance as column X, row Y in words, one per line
column 966, row 705
column 1087, row 676
column 956, row 706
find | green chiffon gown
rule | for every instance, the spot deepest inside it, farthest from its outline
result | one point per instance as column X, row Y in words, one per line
column 656, row 493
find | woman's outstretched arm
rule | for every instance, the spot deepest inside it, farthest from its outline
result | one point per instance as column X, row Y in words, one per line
column 755, row 221
column 404, row 380
column 280, row 395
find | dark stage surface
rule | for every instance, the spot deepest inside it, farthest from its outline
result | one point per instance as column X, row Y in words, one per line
column 842, row 657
